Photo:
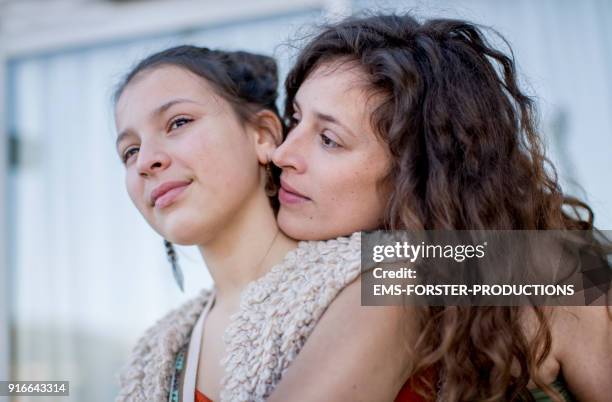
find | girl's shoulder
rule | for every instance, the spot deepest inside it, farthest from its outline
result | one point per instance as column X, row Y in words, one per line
column 146, row 375
column 182, row 317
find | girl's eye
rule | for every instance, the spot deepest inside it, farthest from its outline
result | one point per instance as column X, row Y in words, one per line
column 128, row 153
column 328, row 142
column 179, row 122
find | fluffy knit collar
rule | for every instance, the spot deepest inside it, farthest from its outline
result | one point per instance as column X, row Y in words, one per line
column 277, row 314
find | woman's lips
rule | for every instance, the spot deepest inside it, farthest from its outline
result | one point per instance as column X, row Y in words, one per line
column 288, row 195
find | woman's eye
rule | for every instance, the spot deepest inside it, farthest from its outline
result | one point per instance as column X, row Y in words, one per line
column 328, row 142
column 128, row 153
column 291, row 124
column 294, row 121
column 181, row 121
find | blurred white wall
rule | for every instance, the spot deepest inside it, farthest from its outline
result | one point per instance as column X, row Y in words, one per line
column 86, row 274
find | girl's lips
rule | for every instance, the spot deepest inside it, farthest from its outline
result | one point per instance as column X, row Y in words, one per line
column 169, row 196
column 287, row 197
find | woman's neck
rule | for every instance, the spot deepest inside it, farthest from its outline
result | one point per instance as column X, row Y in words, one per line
column 244, row 250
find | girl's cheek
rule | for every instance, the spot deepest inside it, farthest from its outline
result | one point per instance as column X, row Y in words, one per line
column 133, row 188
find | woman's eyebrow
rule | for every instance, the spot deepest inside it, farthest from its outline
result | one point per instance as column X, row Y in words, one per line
column 333, row 120
column 328, row 118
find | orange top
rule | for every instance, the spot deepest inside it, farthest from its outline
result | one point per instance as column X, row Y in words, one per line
column 200, row 397
column 406, row 394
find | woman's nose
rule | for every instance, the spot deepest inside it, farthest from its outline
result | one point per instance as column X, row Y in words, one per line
column 291, row 154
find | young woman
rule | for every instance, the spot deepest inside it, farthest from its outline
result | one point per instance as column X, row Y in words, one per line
column 196, row 129
column 432, row 115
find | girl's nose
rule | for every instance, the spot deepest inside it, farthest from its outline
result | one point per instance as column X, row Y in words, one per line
column 151, row 160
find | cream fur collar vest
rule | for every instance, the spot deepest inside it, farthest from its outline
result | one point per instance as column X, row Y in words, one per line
column 277, row 314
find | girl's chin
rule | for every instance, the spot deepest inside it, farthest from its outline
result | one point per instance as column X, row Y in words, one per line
column 178, row 233
column 180, row 237
column 186, row 234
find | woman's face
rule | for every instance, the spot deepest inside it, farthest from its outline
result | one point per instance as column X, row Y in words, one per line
column 190, row 165
column 332, row 161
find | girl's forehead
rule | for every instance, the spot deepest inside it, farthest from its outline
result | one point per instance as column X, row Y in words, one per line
column 167, row 79
column 161, row 87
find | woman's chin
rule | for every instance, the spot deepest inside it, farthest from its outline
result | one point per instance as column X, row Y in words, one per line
column 297, row 228
column 315, row 228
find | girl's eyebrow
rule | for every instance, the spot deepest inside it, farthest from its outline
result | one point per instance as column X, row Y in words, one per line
column 156, row 112
column 121, row 137
column 161, row 109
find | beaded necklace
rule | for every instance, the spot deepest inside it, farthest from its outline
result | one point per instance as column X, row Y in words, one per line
column 179, row 365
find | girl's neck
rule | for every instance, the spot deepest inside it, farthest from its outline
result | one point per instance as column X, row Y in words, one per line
column 245, row 249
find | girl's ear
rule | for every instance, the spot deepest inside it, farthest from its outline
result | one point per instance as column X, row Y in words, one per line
column 268, row 134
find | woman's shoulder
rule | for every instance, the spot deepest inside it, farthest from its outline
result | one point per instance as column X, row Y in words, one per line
column 574, row 327
column 584, row 336
column 581, row 330
column 146, row 374
column 580, row 350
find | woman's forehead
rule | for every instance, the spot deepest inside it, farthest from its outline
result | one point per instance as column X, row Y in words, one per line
column 339, row 89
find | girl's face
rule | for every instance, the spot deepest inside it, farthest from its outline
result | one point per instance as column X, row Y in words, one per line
column 191, row 165
column 332, row 160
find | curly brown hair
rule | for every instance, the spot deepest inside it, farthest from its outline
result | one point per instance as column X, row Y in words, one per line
column 465, row 155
